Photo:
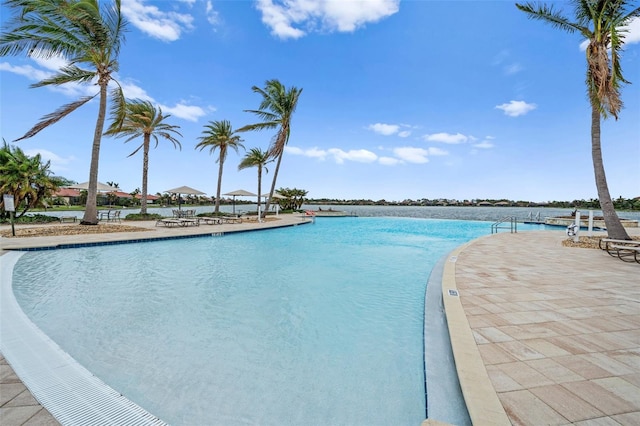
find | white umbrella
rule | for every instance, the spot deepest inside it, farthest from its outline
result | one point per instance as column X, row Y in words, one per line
column 275, row 195
column 183, row 190
column 101, row 187
column 239, row 193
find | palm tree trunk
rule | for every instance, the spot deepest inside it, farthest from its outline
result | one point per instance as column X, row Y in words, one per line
column 91, row 208
column 273, row 187
column 145, row 173
column 611, row 220
column 217, row 208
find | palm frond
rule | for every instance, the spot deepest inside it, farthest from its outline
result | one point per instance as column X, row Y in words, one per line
column 56, row 116
column 549, row 14
column 68, row 74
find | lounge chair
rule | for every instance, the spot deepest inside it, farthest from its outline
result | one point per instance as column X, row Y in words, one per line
column 169, row 223
column 210, row 220
column 231, row 219
column 625, row 250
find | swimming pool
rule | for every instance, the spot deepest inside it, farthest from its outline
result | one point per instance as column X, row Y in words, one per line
column 319, row 324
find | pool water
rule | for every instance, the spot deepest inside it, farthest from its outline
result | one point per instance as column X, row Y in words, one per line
column 316, row 324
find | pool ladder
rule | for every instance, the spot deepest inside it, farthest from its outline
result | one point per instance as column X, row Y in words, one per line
column 502, row 224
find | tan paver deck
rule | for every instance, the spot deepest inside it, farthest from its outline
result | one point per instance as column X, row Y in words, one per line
column 555, row 331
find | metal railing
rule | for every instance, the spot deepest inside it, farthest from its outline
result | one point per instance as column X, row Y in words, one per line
column 502, row 224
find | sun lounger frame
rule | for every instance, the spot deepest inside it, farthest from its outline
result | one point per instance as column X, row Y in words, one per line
column 625, row 250
column 169, row 223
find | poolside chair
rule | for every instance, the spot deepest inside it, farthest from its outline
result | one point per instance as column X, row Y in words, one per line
column 625, row 250
column 115, row 217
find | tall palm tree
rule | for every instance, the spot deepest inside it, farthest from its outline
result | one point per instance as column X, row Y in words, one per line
column 601, row 22
column 88, row 34
column 276, row 110
column 256, row 158
column 142, row 119
column 219, row 135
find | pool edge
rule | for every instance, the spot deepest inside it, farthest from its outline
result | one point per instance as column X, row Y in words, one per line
column 56, row 380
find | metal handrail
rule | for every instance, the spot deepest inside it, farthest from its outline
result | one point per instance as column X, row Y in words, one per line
column 513, row 225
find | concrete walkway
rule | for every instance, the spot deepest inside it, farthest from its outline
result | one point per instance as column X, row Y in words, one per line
column 544, row 334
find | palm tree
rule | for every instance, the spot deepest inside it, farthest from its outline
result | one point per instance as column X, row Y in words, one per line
column 276, row 110
column 256, row 158
column 88, row 34
column 601, row 22
column 219, row 135
column 28, row 179
column 143, row 119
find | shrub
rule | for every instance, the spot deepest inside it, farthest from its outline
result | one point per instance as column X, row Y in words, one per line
column 139, row 216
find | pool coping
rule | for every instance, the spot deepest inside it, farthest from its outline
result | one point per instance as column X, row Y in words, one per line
column 480, row 395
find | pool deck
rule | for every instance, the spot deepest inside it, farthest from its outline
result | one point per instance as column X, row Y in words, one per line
column 542, row 334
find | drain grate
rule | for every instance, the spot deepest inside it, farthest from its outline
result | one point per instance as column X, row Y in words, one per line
column 68, row 390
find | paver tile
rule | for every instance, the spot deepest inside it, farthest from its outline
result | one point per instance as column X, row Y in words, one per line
column 494, row 354
column 623, row 389
column 599, row 397
column 566, row 403
column 554, row 371
column 524, row 408
column 520, row 351
column 502, row 382
column 526, row 376
column 628, row 419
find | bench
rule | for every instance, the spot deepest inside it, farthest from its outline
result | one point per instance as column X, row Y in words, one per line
column 64, row 219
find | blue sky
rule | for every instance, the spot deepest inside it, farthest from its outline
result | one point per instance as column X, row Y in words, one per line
column 401, row 99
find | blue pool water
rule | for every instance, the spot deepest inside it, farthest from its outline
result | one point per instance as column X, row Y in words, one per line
column 316, row 324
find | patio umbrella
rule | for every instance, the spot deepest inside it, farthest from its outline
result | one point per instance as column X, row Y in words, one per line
column 239, row 193
column 275, row 196
column 101, row 187
column 183, row 190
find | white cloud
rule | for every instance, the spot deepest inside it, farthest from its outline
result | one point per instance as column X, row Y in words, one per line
column 55, row 63
column 437, row 151
column 384, row 129
column 58, row 164
column 633, row 31
column 389, row 161
column 212, row 15
column 357, row 155
column 516, row 108
column 513, row 69
column 446, row 138
column 133, row 91
column 339, row 155
column 187, row 112
column 484, row 145
column 404, row 133
column 26, row 71
column 166, row 26
column 285, row 17
column 412, row 155
column 311, row 152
